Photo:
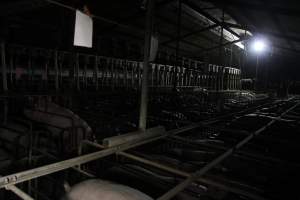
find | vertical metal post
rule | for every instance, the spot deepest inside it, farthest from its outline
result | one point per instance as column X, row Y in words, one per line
column 30, row 69
column 177, row 42
column 77, row 71
column 4, row 81
column 56, row 71
column 86, row 61
column 111, row 63
column 221, row 39
column 231, row 56
column 11, row 66
column 147, row 46
column 256, row 75
column 96, row 72
column 3, row 61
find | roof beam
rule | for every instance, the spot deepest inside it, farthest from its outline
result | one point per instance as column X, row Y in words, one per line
column 277, row 23
column 256, row 30
column 251, row 6
column 185, row 28
column 226, row 43
column 195, row 7
column 13, row 8
column 191, row 33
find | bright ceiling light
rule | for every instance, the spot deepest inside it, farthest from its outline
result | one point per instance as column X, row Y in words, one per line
column 259, row 46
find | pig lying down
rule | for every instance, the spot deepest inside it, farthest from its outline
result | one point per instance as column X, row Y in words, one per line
column 102, row 190
column 62, row 123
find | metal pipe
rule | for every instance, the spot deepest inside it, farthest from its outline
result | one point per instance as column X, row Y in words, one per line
column 19, row 192
column 56, row 70
column 154, row 164
column 3, row 62
column 59, row 166
column 180, row 172
column 185, row 174
column 221, row 39
column 133, row 136
column 195, row 176
column 179, row 11
column 147, row 49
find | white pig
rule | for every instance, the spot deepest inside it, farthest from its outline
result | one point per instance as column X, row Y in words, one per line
column 96, row 189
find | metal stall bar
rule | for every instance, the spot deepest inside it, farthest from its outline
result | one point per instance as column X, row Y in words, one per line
column 195, row 176
column 19, row 192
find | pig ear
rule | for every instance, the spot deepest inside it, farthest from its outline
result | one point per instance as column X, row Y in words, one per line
column 67, row 186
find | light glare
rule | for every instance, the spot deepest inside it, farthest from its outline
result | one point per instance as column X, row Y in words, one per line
column 259, row 46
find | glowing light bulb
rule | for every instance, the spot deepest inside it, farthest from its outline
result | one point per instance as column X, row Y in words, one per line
column 259, row 46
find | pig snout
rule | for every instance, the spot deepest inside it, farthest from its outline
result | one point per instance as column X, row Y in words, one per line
column 103, row 190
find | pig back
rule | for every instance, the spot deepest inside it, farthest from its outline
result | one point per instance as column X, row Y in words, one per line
column 59, row 121
column 103, row 190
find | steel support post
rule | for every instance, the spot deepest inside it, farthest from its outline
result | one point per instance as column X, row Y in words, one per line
column 256, row 72
column 4, row 82
column 179, row 10
column 56, row 70
column 3, row 71
column 195, row 176
column 147, row 48
column 221, row 40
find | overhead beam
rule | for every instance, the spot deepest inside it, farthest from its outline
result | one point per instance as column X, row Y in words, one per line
column 168, row 35
column 257, row 30
column 195, row 7
column 226, row 43
column 191, row 33
column 16, row 7
column 259, row 7
column 187, row 28
column 139, row 14
column 277, row 23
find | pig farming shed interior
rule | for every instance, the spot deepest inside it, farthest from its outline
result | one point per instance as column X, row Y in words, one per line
column 149, row 99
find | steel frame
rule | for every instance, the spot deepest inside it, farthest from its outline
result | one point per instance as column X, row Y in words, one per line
column 198, row 174
column 177, row 172
column 77, row 161
column 11, row 180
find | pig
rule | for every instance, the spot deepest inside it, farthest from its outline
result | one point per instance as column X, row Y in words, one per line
column 96, row 189
column 58, row 120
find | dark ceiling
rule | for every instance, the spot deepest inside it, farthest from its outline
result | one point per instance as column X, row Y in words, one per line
column 42, row 21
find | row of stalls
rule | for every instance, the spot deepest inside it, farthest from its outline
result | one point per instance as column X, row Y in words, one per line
column 40, row 69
